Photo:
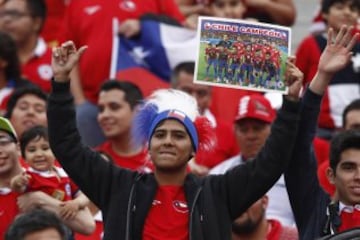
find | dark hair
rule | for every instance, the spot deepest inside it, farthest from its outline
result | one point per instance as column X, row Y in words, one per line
column 340, row 143
column 8, row 52
column 34, row 221
column 188, row 67
column 354, row 105
column 37, row 8
column 326, row 4
column 32, row 133
column 19, row 93
column 133, row 94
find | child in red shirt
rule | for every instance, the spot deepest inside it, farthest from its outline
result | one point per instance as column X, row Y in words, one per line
column 43, row 175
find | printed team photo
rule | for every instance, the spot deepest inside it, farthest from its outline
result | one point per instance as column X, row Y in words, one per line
column 242, row 54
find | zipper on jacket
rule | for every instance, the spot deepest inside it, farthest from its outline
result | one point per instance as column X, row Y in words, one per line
column 129, row 209
column 128, row 212
column 192, row 212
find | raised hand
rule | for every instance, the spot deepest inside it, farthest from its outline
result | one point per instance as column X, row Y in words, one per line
column 337, row 53
column 64, row 58
column 293, row 79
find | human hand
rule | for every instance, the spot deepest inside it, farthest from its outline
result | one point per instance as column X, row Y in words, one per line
column 337, row 52
column 68, row 209
column 197, row 169
column 27, row 202
column 129, row 28
column 293, row 79
column 64, row 58
column 20, row 182
column 191, row 21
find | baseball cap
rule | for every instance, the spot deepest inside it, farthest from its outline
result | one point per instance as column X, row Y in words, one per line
column 6, row 126
column 256, row 107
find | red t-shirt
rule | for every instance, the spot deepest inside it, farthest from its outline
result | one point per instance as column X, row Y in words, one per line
column 38, row 69
column 168, row 217
column 52, row 29
column 89, row 22
column 57, row 185
column 140, row 162
column 8, row 209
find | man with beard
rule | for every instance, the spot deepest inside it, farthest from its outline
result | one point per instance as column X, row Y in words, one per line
column 253, row 224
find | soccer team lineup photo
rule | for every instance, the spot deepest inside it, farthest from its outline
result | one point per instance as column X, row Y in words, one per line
column 240, row 54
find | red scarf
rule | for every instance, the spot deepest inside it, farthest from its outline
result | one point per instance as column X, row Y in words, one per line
column 275, row 230
column 350, row 218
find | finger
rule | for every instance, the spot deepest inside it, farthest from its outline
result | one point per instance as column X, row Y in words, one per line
column 346, row 38
column 352, row 42
column 330, row 36
column 55, row 52
column 291, row 59
column 68, row 45
column 340, row 35
column 81, row 51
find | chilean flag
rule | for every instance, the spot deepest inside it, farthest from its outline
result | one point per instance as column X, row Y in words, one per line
column 148, row 60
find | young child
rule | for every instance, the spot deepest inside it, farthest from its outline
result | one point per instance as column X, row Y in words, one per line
column 344, row 86
column 43, row 175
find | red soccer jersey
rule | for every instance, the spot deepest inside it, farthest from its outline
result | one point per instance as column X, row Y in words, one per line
column 275, row 57
column 8, row 209
column 239, row 46
column 140, row 162
column 38, row 69
column 57, row 185
column 211, row 52
column 52, row 30
column 168, row 218
column 89, row 22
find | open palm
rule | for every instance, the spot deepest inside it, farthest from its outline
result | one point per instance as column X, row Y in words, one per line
column 337, row 53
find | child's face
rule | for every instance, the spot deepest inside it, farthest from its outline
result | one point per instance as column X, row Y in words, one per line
column 341, row 13
column 228, row 8
column 39, row 155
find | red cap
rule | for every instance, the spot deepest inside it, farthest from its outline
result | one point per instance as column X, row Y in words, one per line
column 256, row 107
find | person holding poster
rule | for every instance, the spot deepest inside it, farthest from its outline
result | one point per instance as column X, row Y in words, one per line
column 133, row 203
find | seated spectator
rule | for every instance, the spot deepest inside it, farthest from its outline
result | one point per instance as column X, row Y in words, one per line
column 227, row 8
column 37, row 224
column 351, row 120
column 226, row 147
column 91, row 23
column 252, row 128
column 26, row 107
column 344, row 86
column 253, row 225
column 11, row 203
column 43, row 176
column 23, row 21
column 281, row 12
column 316, row 213
column 118, row 102
column 10, row 72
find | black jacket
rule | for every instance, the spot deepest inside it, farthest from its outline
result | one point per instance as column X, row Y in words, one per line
column 125, row 197
column 308, row 200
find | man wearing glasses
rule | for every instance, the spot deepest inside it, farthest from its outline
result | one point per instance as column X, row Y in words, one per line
column 23, row 21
